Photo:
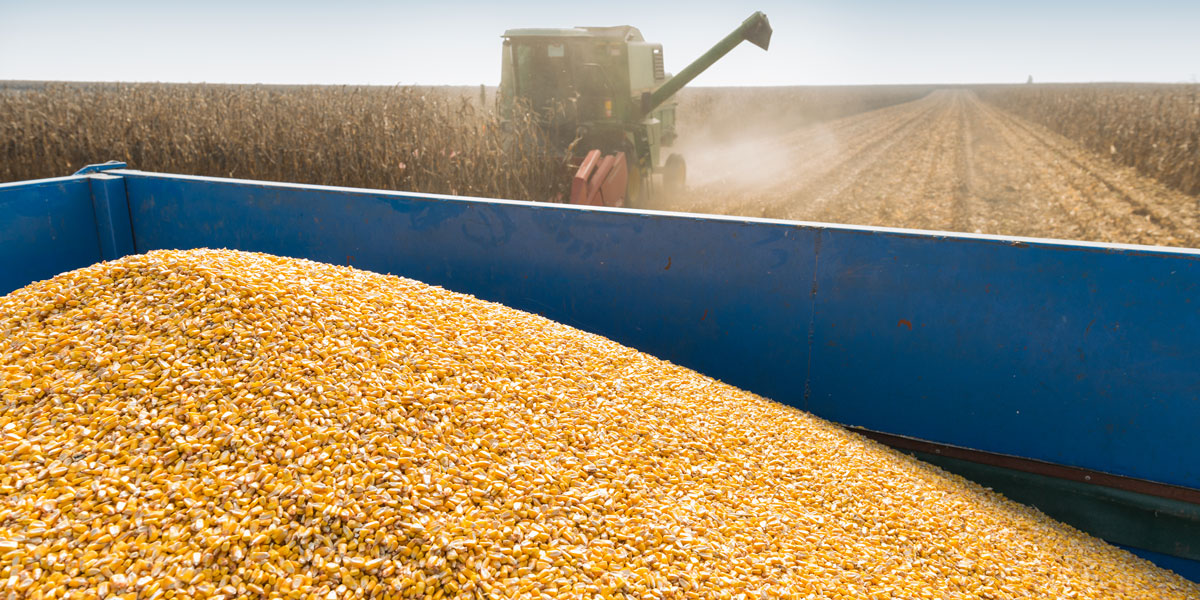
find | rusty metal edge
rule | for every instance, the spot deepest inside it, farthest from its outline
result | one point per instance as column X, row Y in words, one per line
column 1037, row 467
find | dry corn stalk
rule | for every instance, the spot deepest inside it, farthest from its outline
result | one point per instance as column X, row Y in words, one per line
column 402, row 138
column 1154, row 128
column 222, row 424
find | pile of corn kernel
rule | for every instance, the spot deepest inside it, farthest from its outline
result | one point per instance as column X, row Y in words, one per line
column 218, row 424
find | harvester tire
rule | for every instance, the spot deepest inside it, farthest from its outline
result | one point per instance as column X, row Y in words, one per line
column 674, row 174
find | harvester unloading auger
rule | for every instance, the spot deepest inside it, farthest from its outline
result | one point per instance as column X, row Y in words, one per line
column 607, row 103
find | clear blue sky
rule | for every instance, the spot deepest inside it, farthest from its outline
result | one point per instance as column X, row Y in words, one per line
column 448, row 42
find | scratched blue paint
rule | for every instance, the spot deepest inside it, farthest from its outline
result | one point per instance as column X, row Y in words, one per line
column 46, row 227
column 1074, row 353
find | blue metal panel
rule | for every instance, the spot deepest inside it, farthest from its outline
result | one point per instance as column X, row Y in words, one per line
column 112, row 216
column 728, row 298
column 46, row 227
column 1078, row 355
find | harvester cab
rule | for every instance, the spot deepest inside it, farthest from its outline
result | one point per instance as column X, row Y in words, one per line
column 605, row 101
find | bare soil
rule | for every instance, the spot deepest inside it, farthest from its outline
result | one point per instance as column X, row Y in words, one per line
column 945, row 162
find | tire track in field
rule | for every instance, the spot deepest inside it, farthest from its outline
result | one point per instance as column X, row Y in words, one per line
column 901, row 185
column 1061, row 217
column 919, row 200
column 857, row 196
column 998, row 197
column 951, row 162
column 824, row 194
column 965, row 168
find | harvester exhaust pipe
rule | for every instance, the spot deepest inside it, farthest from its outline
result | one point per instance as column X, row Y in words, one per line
column 756, row 30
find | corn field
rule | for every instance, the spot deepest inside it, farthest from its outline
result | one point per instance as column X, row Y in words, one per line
column 436, row 140
column 1153, row 128
column 401, row 138
column 450, row 140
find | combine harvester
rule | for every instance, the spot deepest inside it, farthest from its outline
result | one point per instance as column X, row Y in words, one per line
column 604, row 99
column 1062, row 374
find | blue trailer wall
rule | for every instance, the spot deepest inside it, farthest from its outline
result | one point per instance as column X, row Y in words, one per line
column 1077, row 355
column 46, row 227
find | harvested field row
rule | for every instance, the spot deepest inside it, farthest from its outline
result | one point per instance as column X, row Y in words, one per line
column 1153, row 128
column 945, row 162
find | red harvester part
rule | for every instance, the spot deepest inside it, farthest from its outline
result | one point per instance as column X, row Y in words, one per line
column 600, row 180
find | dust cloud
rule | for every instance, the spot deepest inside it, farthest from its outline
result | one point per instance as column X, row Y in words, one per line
column 750, row 150
column 731, row 172
column 751, row 161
